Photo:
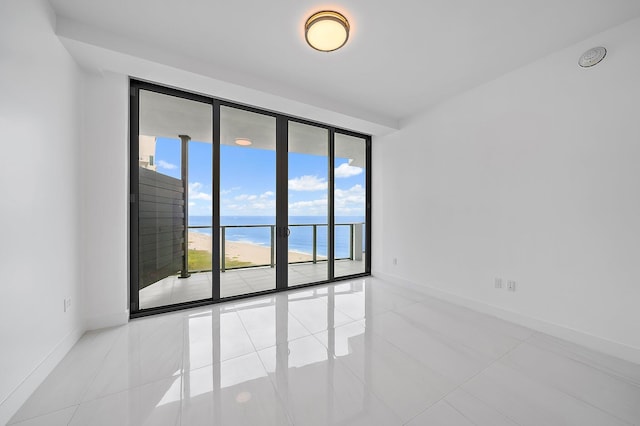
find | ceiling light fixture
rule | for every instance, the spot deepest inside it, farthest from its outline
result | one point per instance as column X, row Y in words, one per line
column 243, row 141
column 326, row 31
column 592, row 57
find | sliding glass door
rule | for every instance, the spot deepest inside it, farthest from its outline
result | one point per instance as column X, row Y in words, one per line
column 173, row 169
column 247, row 202
column 350, row 205
column 308, row 206
column 229, row 201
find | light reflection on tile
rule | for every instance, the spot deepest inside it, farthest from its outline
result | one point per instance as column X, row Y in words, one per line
column 57, row 418
column 68, row 382
column 152, row 404
column 215, row 337
column 135, row 359
column 318, row 390
column 452, row 360
column 361, row 352
column 401, row 382
column 234, row 392
column 268, row 325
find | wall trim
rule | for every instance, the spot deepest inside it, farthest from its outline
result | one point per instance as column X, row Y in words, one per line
column 108, row 320
column 596, row 343
column 25, row 389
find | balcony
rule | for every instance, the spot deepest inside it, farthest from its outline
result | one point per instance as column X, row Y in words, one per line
column 246, row 267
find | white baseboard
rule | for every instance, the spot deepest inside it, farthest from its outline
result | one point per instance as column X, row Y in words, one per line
column 23, row 391
column 609, row 347
column 109, row 320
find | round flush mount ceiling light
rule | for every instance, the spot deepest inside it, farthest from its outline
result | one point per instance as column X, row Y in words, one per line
column 326, row 31
column 243, row 141
column 592, row 57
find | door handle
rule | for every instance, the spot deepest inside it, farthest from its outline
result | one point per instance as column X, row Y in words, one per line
column 283, row 232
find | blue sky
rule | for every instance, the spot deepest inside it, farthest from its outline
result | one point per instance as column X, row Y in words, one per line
column 248, row 181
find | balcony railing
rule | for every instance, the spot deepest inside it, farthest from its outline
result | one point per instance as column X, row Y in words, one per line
column 355, row 243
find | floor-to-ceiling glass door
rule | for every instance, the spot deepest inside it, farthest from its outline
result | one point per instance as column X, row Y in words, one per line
column 308, row 203
column 247, row 202
column 350, row 205
column 230, row 200
column 173, row 186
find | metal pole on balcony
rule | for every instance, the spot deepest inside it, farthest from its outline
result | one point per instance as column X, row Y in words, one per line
column 222, row 250
column 273, row 245
column 351, row 241
column 185, row 199
column 315, row 245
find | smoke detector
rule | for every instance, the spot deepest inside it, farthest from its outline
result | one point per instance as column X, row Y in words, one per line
column 592, row 57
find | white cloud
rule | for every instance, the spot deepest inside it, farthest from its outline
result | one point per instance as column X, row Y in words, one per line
column 306, row 204
column 250, row 204
column 307, row 183
column 246, row 197
column 195, row 192
column 255, row 207
column 191, row 203
column 309, row 208
column 229, row 191
column 350, row 201
column 345, row 170
column 355, row 194
column 167, row 166
column 200, row 196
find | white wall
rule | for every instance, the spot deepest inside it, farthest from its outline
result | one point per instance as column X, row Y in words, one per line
column 534, row 177
column 39, row 182
column 105, row 188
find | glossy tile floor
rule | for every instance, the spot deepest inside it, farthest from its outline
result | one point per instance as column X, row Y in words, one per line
column 172, row 290
column 364, row 352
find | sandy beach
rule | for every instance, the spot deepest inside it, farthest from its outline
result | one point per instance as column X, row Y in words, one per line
column 241, row 251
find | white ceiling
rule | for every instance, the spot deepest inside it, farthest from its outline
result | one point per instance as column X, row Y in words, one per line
column 402, row 57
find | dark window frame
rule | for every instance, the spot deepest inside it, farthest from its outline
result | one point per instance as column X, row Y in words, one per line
column 282, row 121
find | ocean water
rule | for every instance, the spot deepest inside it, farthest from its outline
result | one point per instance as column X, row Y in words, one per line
column 300, row 239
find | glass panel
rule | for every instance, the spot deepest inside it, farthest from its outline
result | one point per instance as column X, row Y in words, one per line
column 247, row 202
column 349, row 205
column 308, row 208
column 175, row 166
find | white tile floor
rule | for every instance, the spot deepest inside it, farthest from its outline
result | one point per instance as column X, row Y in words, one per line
column 233, row 282
column 364, row 352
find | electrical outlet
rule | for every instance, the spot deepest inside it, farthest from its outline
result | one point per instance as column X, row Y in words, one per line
column 395, row 260
column 67, row 304
column 511, row 285
column 498, row 283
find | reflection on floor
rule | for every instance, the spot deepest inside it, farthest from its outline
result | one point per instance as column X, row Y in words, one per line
column 361, row 352
column 172, row 290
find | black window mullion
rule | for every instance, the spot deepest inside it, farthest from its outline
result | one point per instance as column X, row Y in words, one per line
column 332, row 220
column 134, row 142
column 282, row 202
column 368, row 190
column 215, row 220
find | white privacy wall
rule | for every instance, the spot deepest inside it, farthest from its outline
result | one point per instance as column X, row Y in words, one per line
column 39, row 183
column 105, row 191
column 533, row 177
